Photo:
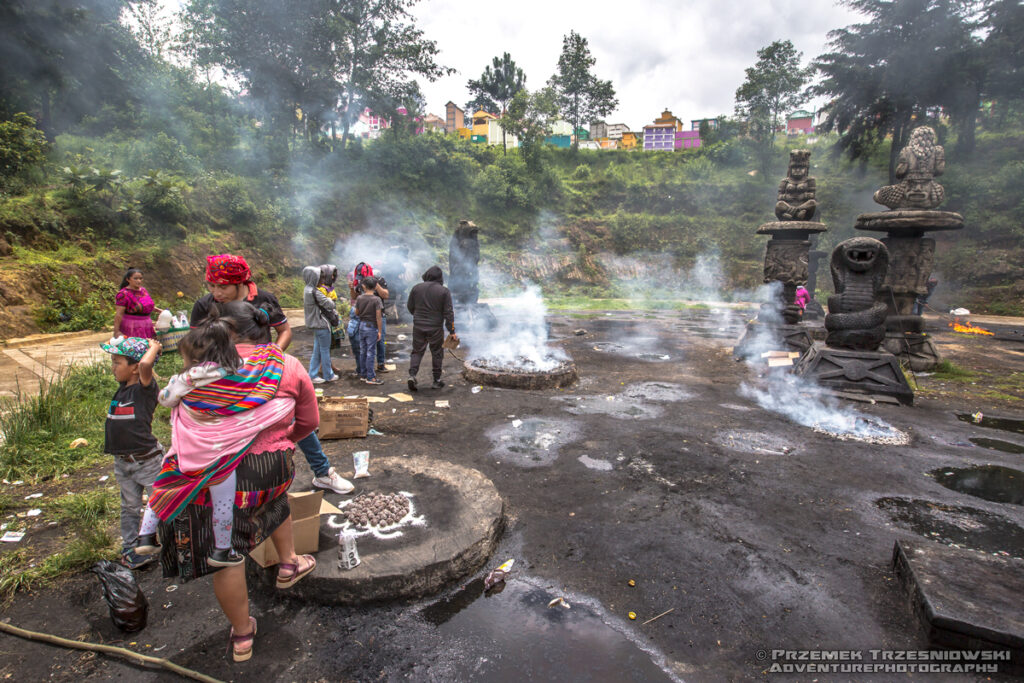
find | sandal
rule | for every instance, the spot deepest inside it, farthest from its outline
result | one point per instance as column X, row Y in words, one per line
column 246, row 654
column 294, row 575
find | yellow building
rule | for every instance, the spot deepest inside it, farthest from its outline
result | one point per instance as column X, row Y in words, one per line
column 666, row 117
column 481, row 122
column 628, row 140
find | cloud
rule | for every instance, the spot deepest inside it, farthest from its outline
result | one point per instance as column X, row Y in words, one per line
column 689, row 58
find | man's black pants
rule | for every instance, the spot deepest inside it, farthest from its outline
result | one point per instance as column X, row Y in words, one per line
column 420, row 340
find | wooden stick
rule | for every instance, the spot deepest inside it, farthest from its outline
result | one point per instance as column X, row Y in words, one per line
column 110, row 649
column 657, row 617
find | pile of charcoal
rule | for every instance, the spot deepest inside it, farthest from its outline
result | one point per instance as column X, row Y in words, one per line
column 376, row 509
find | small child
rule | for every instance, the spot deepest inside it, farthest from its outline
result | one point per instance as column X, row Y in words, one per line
column 129, row 435
column 210, row 356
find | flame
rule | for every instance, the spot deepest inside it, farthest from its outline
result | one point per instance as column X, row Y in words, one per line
column 967, row 328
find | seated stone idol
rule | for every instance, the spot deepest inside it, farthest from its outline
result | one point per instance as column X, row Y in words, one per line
column 856, row 312
column 916, row 167
column 797, row 189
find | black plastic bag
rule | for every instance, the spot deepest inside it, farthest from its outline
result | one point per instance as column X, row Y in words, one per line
column 128, row 605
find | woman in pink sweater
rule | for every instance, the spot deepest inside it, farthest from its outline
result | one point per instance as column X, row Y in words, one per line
column 261, row 504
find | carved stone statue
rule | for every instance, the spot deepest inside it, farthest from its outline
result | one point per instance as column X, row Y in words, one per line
column 856, row 312
column 919, row 163
column 797, row 189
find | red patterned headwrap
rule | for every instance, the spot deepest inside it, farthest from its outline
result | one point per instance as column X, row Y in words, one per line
column 228, row 269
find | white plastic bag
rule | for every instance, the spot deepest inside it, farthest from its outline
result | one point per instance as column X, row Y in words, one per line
column 361, row 463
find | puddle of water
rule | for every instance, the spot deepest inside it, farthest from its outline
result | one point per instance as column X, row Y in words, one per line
column 595, row 463
column 533, row 443
column 998, row 445
column 1005, row 423
column 990, row 482
column 963, row 527
column 512, row 635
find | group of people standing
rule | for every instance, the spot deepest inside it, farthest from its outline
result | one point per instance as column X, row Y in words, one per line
column 239, row 408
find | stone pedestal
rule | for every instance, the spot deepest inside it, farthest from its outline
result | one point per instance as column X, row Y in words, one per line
column 760, row 337
column 916, row 348
column 786, row 260
column 911, row 258
column 867, row 372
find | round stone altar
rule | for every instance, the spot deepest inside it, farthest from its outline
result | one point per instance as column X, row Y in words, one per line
column 510, row 377
column 452, row 527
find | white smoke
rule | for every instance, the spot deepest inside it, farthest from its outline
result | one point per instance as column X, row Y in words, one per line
column 521, row 336
column 648, row 277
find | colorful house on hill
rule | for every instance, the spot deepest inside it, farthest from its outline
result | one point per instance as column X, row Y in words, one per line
column 598, row 130
column 687, row 139
column 800, row 122
column 628, row 141
column 561, row 135
column 481, row 125
column 616, row 130
column 454, row 117
column 667, row 118
column 659, row 136
column 696, row 123
column 432, row 123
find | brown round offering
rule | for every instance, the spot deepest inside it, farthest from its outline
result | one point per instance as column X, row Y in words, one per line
column 522, row 375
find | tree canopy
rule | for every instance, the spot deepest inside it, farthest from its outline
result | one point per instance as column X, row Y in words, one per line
column 773, row 87
column 499, row 85
column 581, row 96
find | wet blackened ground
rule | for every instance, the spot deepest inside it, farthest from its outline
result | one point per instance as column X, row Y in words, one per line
column 757, row 533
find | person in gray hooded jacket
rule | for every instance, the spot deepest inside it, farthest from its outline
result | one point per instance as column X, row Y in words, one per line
column 321, row 315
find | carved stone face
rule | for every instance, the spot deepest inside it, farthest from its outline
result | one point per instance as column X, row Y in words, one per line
column 798, row 171
column 918, row 191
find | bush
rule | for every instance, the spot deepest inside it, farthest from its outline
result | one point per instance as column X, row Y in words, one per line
column 22, row 150
column 72, row 307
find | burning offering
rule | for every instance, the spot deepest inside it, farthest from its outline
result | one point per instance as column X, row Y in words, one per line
column 380, row 510
column 967, row 328
column 520, row 374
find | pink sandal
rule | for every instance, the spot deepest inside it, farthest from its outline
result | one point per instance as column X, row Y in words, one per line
column 246, row 654
column 294, row 575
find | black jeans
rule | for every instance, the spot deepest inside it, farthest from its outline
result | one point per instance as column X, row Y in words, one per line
column 420, row 339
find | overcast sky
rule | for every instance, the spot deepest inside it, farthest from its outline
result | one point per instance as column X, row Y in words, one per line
column 688, row 57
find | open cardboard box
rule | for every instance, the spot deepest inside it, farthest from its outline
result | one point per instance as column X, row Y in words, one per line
column 306, row 510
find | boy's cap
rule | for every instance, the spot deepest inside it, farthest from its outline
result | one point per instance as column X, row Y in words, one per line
column 131, row 347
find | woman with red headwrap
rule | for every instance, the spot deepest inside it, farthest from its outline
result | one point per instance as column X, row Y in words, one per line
column 229, row 278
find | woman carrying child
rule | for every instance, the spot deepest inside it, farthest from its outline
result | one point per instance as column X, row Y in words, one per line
column 253, row 417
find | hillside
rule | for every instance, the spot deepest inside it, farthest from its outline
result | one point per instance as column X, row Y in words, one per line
column 588, row 222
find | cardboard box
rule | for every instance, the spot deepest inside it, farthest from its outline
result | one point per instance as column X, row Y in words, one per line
column 344, row 418
column 306, row 510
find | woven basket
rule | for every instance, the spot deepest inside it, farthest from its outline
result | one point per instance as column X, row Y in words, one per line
column 169, row 339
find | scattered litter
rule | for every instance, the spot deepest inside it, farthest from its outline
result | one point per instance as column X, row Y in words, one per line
column 510, row 416
column 171, row 588
column 959, row 311
column 401, row 337
column 17, row 483
column 394, row 410
column 3, row 527
column 401, row 398
column 977, row 417
column 12, row 536
column 104, row 477
column 631, row 583
column 632, row 616
column 476, row 389
column 33, row 495
column 377, row 399
column 441, row 404
column 580, row 332
column 78, row 442
column 414, row 410
column 361, row 463
column 390, row 367
column 496, row 576
column 559, row 602
column 373, row 432
column 517, row 423
column 127, row 603
column 34, row 512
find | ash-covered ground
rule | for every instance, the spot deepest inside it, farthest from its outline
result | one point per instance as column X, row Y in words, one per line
column 758, row 533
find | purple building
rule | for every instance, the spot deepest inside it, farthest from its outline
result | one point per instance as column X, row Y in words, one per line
column 687, row 139
column 659, row 136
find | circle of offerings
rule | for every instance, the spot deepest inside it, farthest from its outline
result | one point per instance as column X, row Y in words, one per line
column 419, row 524
column 519, row 375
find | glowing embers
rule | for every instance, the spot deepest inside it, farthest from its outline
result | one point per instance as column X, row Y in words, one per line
column 521, row 373
column 966, row 327
column 861, row 428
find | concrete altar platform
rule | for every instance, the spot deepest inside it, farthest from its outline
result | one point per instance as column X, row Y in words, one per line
column 451, row 530
column 965, row 599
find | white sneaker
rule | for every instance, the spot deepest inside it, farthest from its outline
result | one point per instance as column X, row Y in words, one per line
column 334, row 482
column 318, row 380
column 332, row 379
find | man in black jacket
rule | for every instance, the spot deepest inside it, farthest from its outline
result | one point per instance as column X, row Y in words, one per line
column 430, row 304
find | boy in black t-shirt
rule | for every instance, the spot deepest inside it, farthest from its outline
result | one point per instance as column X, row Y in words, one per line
column 129, row 434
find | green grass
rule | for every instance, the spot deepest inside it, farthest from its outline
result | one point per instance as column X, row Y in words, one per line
column 6, row 503
column 37, row 429
column 91, row 509
column 88, row 547
column 950, row 372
